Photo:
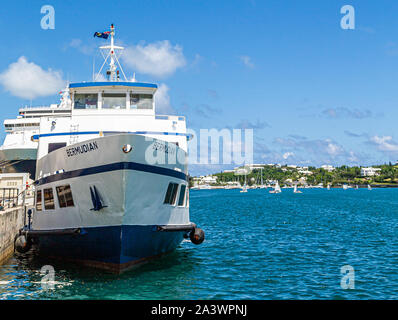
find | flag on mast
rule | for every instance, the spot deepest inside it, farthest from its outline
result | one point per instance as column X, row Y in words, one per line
column 104, row 35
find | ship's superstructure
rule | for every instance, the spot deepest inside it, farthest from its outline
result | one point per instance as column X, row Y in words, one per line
column 18, row 153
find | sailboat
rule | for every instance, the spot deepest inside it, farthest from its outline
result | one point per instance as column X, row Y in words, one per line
column 244, row 188
column 356, row 187
column 369, row 187
column 277, row 188
column 262, row 186
column 295, row 189
column 328, row 187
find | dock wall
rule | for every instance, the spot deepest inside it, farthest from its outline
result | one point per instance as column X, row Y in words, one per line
column 11, row 220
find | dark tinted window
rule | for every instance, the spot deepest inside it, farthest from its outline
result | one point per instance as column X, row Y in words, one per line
column 141, row 101
column 65, row 198
column 55, row 146
column 38, row 201
column 113, row 101
column 171, row 193
column 48, row 199
column 182, row 195
column 86, row 101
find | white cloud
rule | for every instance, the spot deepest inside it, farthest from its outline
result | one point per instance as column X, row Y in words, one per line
column 333, row 149
column 384, row 143
column 28, row 80
column 287, row 155
column 247, row 61
column 159, row 59
column 162, row 100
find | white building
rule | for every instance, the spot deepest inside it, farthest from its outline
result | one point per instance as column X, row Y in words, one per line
column 328, row 167
column 305, row 172
column 370, row 172
column 208, row 180
column 229, row 171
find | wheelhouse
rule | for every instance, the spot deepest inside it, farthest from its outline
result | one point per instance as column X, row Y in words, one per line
column 107, row 97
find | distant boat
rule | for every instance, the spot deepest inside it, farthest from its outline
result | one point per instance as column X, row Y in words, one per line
column 262, row 186
column 244, row 188
column 345, row 187
column 328, row 187
column 295, row 189
column 277, row 189
column 369, row 187
column 356, row 187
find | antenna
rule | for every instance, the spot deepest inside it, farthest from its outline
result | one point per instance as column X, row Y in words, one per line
column 94, row 68
column 112, row 72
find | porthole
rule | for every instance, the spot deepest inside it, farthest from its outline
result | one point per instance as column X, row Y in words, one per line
column 127, row 148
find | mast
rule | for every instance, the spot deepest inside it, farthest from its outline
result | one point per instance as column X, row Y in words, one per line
column 112, row 72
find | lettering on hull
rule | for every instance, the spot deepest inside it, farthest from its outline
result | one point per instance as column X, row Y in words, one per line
column 84, row 148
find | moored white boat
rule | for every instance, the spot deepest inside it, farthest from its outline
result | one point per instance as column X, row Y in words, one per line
column 111, row 179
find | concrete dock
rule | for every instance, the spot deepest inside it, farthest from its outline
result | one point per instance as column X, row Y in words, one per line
column 11, row 220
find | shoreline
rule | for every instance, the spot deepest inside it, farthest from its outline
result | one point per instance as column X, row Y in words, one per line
column 308, row 187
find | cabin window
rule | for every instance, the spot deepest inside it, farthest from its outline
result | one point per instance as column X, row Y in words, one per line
column 86, row 101
column 141, row 101
column 181, row 198
column 55, row 146
column 38, row 201
column 48, row 199
column 65, row 198
column 113, row 101
column 171, row 193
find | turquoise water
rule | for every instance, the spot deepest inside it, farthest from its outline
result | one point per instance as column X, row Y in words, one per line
column 258, row 246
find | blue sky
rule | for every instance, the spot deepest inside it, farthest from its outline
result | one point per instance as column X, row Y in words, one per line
column 313, row 92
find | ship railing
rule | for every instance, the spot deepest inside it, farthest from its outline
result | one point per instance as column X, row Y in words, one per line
column 166, row 117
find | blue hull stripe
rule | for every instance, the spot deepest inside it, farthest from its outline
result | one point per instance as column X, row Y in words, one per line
column 112, row 167
column 165, row 133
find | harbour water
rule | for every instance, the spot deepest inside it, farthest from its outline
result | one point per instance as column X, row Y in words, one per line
column 258, row 246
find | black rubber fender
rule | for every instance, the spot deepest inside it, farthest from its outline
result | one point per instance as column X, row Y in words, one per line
column 197, row 236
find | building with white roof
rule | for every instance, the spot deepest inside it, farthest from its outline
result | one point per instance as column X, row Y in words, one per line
column 370, row 172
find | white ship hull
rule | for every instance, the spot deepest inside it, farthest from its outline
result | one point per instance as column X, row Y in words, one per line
column 128, row 229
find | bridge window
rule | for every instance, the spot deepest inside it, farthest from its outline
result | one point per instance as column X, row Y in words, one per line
column 48, row 199
column 65, row 198
column 181, row 198
column 113, row 101
column 141, row 101
column 86, row 101
column 38, row 201
column 171, row 193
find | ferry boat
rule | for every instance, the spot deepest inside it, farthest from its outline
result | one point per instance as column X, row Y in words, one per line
column 18, row 153
column 111, row 188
